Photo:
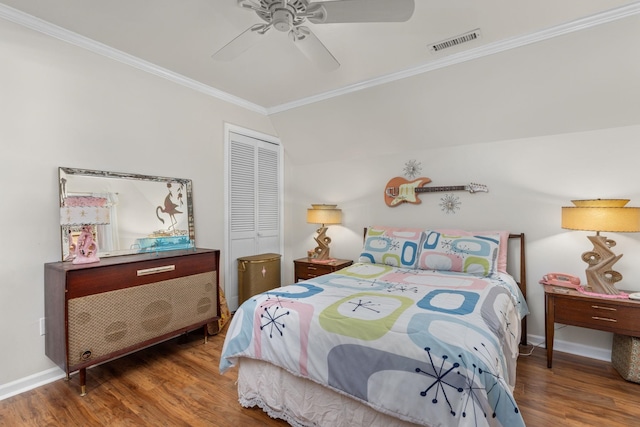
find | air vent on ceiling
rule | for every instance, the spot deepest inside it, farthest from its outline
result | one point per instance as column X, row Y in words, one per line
column 455, row 41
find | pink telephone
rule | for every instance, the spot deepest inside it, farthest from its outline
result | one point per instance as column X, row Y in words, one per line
column 561, row 279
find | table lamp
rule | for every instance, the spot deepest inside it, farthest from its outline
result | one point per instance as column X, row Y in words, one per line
column 323, row 215
column 84, row 212
column 602, row 215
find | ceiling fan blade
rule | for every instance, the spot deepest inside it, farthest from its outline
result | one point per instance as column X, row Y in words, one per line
column 328, row 12
column 312, row 48
column 250, row 4
column 241, row 43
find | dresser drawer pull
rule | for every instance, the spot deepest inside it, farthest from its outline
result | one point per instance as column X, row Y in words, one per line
column 311, row 268
column 604, row 308
column 156, row 270
column 606, row 319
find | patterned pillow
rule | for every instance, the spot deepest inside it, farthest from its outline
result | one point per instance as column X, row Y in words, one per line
column 504, row 242
column 398, row 247
column 466, row 254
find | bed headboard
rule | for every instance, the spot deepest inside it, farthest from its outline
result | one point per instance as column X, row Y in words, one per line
column 517, row 267
column 521, row 278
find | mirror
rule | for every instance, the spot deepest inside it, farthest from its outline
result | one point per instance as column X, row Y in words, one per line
column 142, row 213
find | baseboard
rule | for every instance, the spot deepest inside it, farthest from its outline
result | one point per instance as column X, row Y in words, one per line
column 29, row 383
column 573, row 348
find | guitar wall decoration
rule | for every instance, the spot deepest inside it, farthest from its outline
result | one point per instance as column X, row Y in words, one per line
column 400, row 190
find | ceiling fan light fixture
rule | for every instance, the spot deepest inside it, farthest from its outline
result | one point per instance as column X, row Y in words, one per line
column 282, row 20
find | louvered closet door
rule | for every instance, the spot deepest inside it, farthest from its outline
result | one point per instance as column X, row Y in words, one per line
column 255, row 189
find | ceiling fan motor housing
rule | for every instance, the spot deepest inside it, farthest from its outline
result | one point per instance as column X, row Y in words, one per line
column 283, row 15
column 282, row 19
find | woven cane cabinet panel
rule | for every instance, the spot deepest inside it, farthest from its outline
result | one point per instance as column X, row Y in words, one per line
column 97, row 312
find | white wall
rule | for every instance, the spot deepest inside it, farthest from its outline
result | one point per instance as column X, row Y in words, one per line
column 63, row 106
column 582, row 81
column 529, row 180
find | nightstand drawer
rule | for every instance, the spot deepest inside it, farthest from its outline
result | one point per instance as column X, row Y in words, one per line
column 311, row 270
column 597, row 315
column 307, row 268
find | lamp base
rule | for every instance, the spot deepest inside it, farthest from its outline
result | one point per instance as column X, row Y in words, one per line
column 322, row 250
column 86, row 248
column 85, row 260
column 600, row 275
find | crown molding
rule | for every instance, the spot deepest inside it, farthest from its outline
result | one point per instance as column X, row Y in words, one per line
column 471, row 54
column 42, row 26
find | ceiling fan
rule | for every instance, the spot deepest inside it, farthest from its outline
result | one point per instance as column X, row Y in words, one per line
column 289, row 15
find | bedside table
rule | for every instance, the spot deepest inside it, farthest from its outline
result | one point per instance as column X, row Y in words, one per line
column 570, row 307
column 306, row 268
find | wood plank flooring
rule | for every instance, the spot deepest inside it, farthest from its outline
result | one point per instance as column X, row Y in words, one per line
column 177, row 383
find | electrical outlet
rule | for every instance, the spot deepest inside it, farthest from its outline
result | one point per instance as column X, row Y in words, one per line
column 42, row 326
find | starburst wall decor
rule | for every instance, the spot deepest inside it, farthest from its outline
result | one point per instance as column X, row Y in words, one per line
column 450, row 204
column 412, row 169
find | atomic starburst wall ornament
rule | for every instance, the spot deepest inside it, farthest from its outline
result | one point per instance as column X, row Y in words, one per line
column 450, row 204
column 412, row 169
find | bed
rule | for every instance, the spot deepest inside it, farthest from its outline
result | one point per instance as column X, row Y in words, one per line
column 422, row 330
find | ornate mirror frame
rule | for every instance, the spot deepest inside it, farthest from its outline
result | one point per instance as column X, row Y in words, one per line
column 147, row 213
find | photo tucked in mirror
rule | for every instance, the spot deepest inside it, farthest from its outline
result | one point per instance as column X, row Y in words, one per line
column 125, row 213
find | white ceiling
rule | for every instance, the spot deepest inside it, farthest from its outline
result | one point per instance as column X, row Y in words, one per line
column 180, row 36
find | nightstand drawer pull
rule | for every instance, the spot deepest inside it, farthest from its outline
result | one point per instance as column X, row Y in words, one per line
column 604, row 318
column 311, row 268
column 604, row 308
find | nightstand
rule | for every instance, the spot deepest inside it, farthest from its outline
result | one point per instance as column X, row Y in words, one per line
column 570, row 307
column 307, row 268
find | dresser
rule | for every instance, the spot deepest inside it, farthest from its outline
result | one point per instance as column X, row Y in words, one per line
column 97, row 312
column 308, row 268
column 570, row 307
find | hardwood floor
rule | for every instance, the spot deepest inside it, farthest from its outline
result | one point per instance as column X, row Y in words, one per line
column 177, row 383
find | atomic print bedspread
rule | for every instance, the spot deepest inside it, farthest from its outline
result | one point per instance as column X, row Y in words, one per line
column 430, row 347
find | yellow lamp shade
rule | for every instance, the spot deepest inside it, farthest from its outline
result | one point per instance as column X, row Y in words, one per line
column 324, row 214
column 601, row 215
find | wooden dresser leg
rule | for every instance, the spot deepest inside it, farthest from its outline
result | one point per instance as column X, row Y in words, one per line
column 83, row 382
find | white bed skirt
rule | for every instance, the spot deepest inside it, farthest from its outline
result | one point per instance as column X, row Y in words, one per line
column 302, row 402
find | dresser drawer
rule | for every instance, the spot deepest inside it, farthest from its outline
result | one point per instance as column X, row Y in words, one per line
column 103, row 278
column 597, row 315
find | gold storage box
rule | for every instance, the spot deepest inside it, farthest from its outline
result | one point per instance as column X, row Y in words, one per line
column 256, row 274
